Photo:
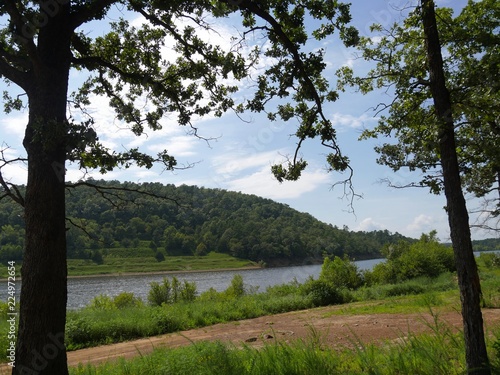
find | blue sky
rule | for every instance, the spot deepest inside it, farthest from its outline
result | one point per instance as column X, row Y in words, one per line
column 241, row 152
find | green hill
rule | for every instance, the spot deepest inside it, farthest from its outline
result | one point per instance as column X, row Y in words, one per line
column 115, row 221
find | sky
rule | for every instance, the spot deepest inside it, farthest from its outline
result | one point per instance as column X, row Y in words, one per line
column 241, row 150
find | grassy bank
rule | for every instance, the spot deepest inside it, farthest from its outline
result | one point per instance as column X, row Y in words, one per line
column 114, row 264
column 440, row 352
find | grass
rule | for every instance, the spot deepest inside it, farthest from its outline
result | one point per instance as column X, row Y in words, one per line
column 114, row 264
column 439, row 352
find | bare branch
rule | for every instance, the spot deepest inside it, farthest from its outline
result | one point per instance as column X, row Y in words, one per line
column 82, row 228
column 10, row 189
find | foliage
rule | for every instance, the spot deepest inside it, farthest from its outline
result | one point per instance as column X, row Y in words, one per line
column 323, row 293
column 171, row 291
column 102, row 302
column 488, row 244
column 127, row 299
column 125, row 317
column 438, row 352
column 159, row 256
column 237, row 288
column 470, row 42
column 341, row 273
column 197, row 222
column 120, row 301
column 427, row 257
column 490, row 260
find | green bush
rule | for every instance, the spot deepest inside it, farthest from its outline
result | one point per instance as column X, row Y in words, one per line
column 283, row 289
column 237, row 287
column 102, row 302
column 169, row 292
column 490, row 260
column 322, row 292
column 341, row 273
column 78, row 333
column 126, row 299
column 426, row 257
column 210, row 295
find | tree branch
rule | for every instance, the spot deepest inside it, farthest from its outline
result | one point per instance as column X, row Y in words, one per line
column 10, row 190
column 89, row 12
column 19, row 23
column 12, row 74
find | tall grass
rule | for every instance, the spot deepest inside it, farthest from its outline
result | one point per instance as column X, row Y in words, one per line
column 438, row 352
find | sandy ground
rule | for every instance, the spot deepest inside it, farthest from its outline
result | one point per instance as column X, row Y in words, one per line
column 334, row 330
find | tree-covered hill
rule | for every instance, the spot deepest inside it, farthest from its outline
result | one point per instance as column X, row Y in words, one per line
column 190, row 220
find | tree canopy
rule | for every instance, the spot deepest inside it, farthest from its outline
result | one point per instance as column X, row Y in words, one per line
column 194, row 222
column 429, row 63
column 147, row 71
column 471, row 60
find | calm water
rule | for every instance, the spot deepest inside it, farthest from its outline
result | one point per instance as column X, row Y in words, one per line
column 82, row 290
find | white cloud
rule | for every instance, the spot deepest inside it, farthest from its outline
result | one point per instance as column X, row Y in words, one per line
column 233, row 163
column 177, row 146
column 262, row 183
column 369, row 224
column 346, row 121
column 14, row 125
column 422, row 224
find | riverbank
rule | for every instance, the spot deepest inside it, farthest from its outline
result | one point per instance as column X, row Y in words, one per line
column 154, row 273
column 116, row 266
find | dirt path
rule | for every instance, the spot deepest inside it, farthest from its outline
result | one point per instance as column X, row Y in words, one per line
column 334, row 330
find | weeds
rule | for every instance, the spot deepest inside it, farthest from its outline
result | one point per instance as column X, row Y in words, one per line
column 439, row 352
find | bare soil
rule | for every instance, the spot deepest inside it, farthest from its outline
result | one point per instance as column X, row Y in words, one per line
column 337, row 331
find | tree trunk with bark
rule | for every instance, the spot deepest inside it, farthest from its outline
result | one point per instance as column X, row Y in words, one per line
column 40, row 344
column 468, row 277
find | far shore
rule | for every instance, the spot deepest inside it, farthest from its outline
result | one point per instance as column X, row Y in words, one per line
column 117, row 274
column 172, row 272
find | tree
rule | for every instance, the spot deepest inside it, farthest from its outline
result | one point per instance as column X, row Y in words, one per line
column 471, row 59
column 43, row 40
column 445, row 120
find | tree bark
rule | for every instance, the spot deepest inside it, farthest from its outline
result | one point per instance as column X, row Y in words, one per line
column 458, row 218
column 40, row 344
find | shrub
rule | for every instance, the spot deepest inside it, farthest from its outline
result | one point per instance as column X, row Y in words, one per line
column 159, row 256
column 169, row 292
column 426, row 257
column 102, row 302
column 210, row 295
column 490, row 260
column 78, row 331
column 322, row 292
column 283, row 289
column 126, row 299
column 237, row 288
column 165, row 322
column 97, row 257
column 341, row 273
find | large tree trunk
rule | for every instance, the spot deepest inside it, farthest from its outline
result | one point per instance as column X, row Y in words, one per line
column 40, row 346
column 468, row 277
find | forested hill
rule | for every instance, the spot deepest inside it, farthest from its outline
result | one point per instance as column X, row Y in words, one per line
column 192, row 220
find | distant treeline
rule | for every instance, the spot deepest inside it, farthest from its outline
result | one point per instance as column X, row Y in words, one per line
column 190, row 220
column 486, row 245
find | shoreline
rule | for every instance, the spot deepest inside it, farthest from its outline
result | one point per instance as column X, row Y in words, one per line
column 119, row 274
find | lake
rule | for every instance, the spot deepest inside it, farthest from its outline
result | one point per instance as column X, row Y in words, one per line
column 82, row 290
